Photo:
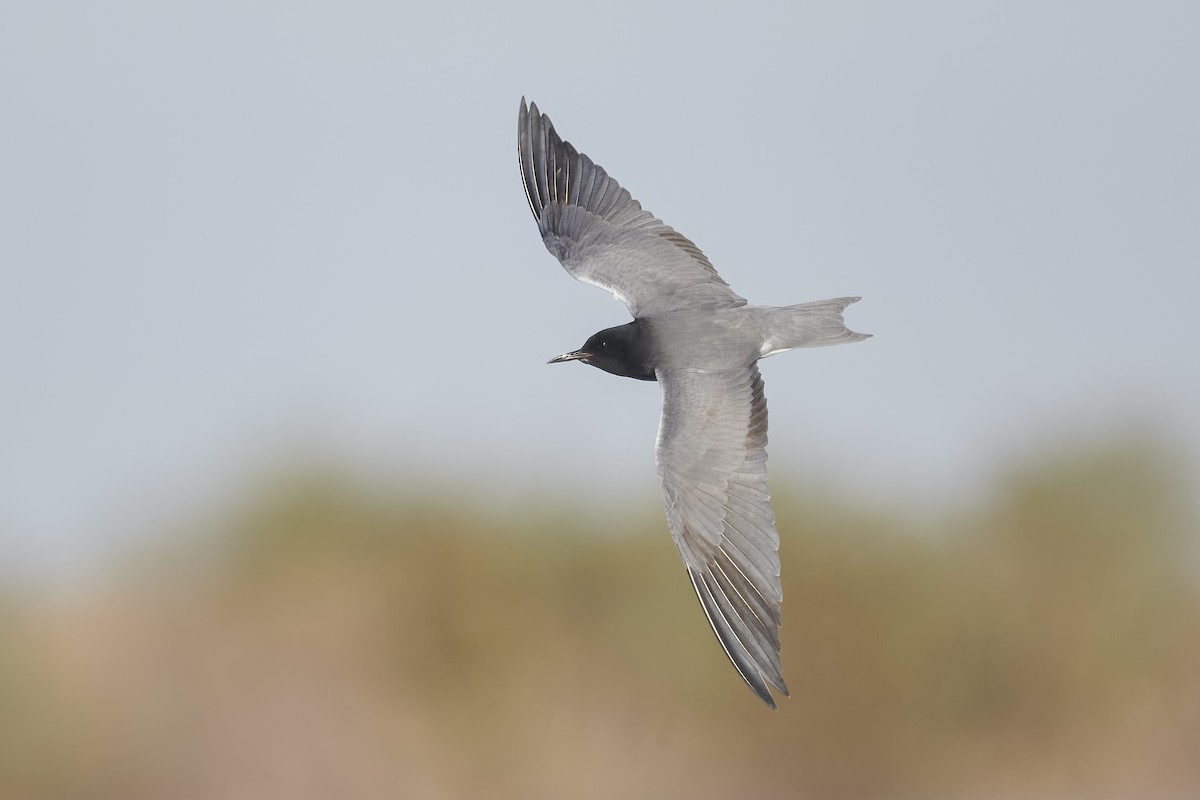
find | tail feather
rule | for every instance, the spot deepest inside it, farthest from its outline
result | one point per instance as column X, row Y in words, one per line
column 809, row 325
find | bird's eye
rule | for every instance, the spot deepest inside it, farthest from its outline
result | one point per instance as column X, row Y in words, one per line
column 603, row 345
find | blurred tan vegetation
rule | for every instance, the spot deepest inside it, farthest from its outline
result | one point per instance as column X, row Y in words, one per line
column 323, row 640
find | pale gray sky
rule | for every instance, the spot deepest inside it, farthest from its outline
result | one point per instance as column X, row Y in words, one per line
column 228, row 229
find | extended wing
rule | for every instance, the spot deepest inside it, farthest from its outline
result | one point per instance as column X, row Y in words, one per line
column 603, row 236
column 712, row 461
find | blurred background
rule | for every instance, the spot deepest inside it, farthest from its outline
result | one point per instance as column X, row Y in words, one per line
column 291, row 506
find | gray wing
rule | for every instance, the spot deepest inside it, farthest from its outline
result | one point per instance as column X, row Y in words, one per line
column 602, row 235
column 712, row 461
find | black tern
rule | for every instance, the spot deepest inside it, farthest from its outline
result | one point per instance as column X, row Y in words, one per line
column 701, row 342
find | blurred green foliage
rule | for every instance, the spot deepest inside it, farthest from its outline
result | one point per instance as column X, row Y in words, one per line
column 322, row 640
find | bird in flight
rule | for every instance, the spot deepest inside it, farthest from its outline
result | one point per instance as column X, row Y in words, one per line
column 701, row 342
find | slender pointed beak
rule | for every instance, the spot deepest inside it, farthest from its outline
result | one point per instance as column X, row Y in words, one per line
column 575, row 356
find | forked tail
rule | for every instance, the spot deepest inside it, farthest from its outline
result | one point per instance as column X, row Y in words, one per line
column 809, row 325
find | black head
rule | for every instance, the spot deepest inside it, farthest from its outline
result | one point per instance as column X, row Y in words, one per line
column 621, row 351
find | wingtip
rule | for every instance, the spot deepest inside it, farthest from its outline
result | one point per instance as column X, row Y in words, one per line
column 528, row 112
column 763, row 691
column 764, row 694
column 777, row 683
column 530, row 109
column 759, row 680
